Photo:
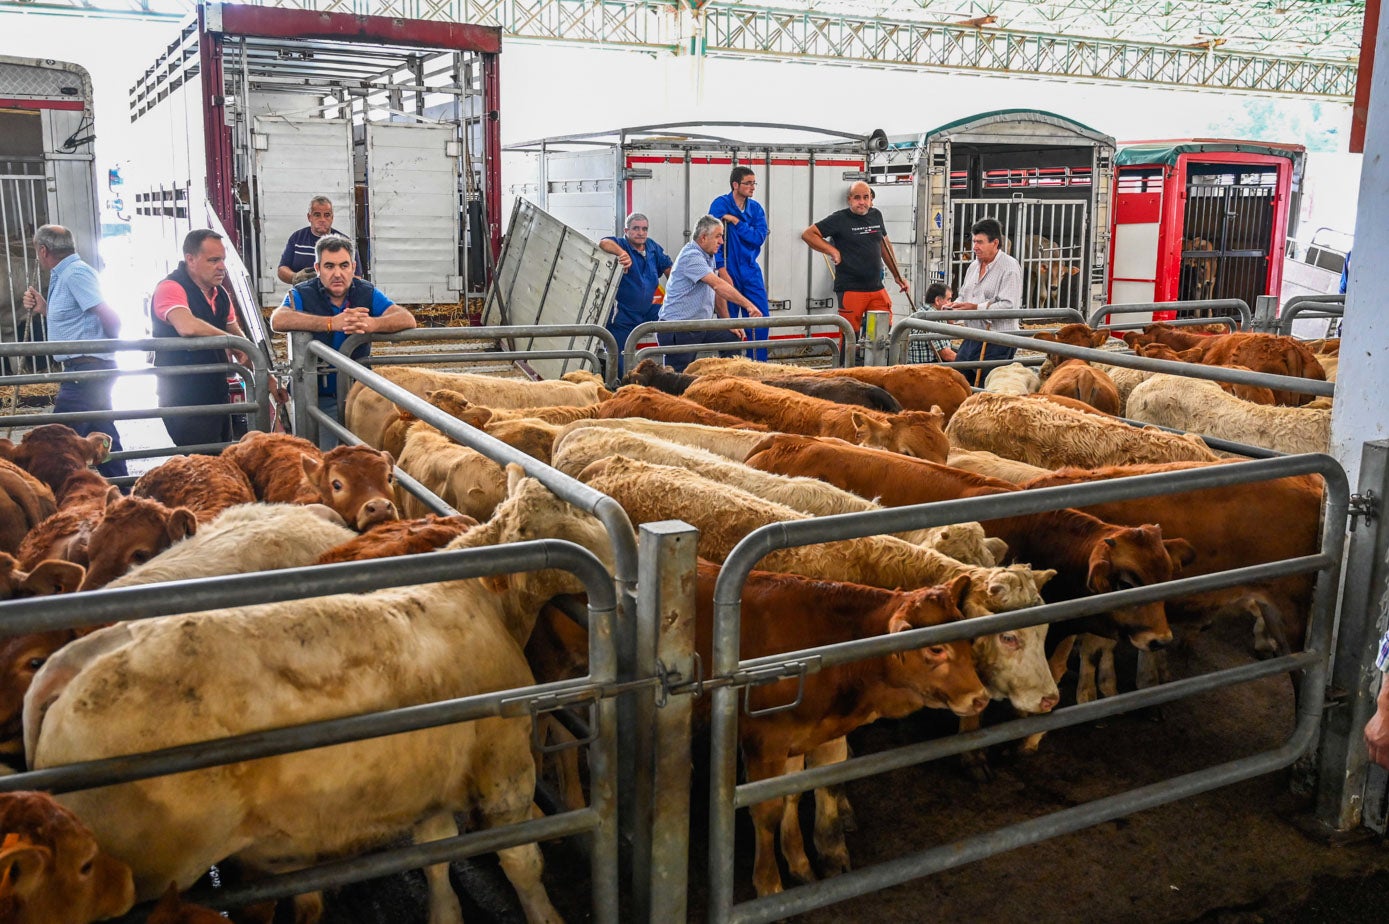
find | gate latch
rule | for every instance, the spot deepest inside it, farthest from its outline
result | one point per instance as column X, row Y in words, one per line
column 763, row 676
column 1364, row 505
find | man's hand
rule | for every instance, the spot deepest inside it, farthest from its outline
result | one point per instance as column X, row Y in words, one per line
column 753, row 311
column 962, row 306
column 34, row 302
column 624, row 260
column 1377, row 730
column 902, row 284
column 238, row 356
column 834, row 255
column 731, row 219
column 740, row 333
column 354, row 321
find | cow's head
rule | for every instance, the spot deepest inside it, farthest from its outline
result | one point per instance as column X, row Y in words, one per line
column 53, row 452
column 356, row 481
column 942, row 675
column 1081, row 335
column 1013, row 666
column 51, row 870
column 1136, row 557
column 538, row 442
column 919, row 434
column 453, row 403
column 644, row 373
column 134, row 530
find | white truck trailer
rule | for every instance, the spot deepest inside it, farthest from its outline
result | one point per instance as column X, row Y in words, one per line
column 47, row 175
column 252, row 111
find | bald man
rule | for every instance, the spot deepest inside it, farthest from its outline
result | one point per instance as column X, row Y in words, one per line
column 856, row 242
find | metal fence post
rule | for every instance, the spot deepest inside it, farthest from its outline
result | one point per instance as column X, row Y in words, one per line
column 1342, row 762
column 876, row 329
column 665, row 642
column 303, row 389
column 1265, row 314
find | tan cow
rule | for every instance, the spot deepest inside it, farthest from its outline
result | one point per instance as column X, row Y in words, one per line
column 912, row 433
column 1012, row 379
column 304, row 661
column 464, row 478
column 1203, row 407
column 1043, row 434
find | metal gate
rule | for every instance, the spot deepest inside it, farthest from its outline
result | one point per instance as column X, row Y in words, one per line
column 1047, row 237
column 1227, row 233
column 23, row 208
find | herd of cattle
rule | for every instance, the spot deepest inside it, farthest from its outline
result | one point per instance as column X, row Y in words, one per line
column 729, row 446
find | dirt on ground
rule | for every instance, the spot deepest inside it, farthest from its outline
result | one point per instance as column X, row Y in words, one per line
column 1236, row 855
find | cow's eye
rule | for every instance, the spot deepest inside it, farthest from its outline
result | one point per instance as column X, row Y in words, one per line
column 140, row 556
column 36, row 663
column 86, row 869
column 1010, row 639
column 337, row 484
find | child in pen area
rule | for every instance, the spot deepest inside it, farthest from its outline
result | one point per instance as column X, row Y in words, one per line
column 923, row 349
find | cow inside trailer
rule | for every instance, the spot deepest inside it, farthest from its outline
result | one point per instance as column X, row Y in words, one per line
column 1202, row 219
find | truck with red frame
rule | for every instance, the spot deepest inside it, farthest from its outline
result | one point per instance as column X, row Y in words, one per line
column 1200, row 219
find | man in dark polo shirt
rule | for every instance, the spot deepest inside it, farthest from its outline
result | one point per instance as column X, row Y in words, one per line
column 334, row 305
column 299, row 254
column 856, row 242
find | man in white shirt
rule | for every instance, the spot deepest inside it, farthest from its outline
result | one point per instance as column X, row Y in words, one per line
column 993, row 282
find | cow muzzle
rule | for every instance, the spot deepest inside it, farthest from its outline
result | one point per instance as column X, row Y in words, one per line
column 1150, row 641
column 376, row 511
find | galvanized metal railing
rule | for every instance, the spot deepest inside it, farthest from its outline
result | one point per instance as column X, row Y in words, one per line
column 726, row 796
column 898, row 336
column 1312, row 306
column 1237, row 305
column 843, row 357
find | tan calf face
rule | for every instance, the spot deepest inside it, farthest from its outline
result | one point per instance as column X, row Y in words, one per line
column 21, row 656
column 356, row 481
column 51, row 871
column 943, row 675
column 918, row 434
column 1013, row 666
column 1081, row 335
column 134, row 530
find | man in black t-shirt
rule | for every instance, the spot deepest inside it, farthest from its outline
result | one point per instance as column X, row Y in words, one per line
column 856, row 242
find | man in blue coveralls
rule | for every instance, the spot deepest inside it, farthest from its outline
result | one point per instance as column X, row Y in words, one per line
column 334, row 305
column 643, row 264
column 745, row 225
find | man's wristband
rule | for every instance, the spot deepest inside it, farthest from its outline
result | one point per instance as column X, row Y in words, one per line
column 1382, row 659
column 330, row 323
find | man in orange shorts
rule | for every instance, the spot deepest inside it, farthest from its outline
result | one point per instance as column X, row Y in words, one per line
column 856, row 242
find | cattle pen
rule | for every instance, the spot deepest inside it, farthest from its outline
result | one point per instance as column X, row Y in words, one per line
column 635, row 711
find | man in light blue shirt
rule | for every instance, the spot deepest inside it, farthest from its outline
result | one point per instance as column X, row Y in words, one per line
column 691, row 294
column 75, row 310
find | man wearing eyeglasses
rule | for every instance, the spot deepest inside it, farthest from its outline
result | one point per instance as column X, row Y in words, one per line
column 745, row 227
column 644, row 262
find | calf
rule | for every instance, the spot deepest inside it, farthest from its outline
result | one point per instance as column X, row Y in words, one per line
column 464, row 478
column 53, row 452
column 355, row 481
column 912, row 433
column 1076, row 378
column 1269, row 353
column 838, row 389
column 67, row 534
column 134, row 530
column 206, row 485
column 400, row 537
column 25, row 502
column 1048, row 266
column 1012, row 379
column 51, row 870
column 1197, row 275
column 783, row 613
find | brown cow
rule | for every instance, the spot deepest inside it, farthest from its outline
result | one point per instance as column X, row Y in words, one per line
column 1258, row 394
column 1090, row 555
column 22, row 655
column 1268, row 353
column 52, row 452
column 353, row 480
column 65, row 535
column 400, row 537
column 51, row 871
column 653, row 404
column 134, row 530
column 839, row 389
column 1076, row 378
column 25, row 502
column 173, row 910
column 206, row 485
column 912, row 433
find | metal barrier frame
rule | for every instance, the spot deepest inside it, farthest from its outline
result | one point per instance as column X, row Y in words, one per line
column 148, row 601
column 631, row 355
column 1238, row 305
column 497, row 333
column 729, row 673
column 898, row 338
column 257, row 375
column 1315, row 306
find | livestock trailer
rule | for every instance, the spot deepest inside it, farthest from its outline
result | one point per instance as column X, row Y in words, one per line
column 47, row 174
column 1201, row 219
column 672, row 173
column 258, row 109
column 1044, row 177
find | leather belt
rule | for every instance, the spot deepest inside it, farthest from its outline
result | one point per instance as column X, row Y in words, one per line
column 84, row 362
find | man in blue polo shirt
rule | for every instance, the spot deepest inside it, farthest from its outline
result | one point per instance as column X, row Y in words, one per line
column 694, row 283
column 76, row 311
column 643, row 264
column 299, row 254
column 334, row 305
